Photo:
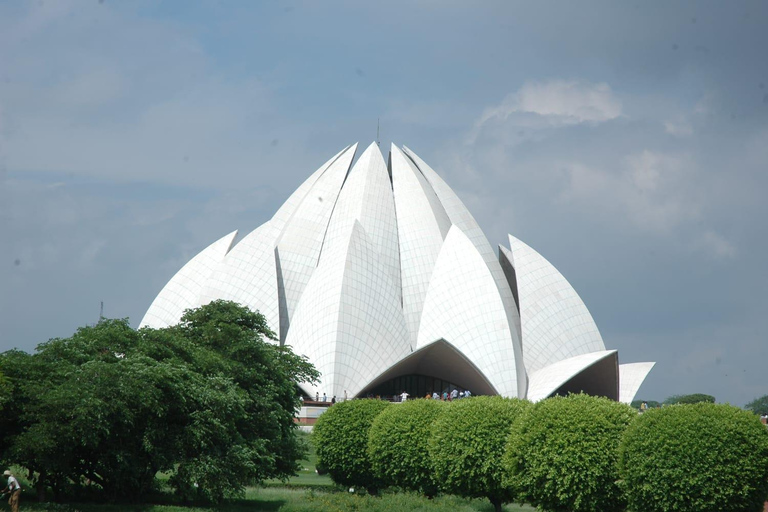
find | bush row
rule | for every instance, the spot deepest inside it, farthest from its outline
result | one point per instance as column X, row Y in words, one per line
column 575, row 453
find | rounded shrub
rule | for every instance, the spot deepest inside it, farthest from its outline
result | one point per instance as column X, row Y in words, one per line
column 563, row 455
column 467, row 445
column 398, row 445
column 340, row 437
column 701, row 457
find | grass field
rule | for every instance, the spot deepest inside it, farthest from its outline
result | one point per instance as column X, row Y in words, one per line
column 307, row 477
column 307, row 492
column 281, row 499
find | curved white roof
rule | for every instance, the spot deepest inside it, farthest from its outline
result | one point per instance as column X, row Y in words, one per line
column 183, row 290
column 556, row 324
column 464, row 308
column 631, row 376
column 373, row 271
column 548, row 380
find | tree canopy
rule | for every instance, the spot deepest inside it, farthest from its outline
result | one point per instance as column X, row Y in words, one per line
column 210, row 400
column 467, row 445
column 340, row 437
column 758, row 405
column 695, row 398
column 696, row 457
column 563, row 453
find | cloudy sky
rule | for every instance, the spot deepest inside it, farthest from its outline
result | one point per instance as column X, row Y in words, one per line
column 626, row 142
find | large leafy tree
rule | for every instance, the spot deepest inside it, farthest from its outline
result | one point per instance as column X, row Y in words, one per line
column 211, row 401
column 5, row 390
column 758, row 405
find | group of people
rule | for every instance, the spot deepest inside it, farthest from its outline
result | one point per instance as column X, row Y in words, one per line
column 325, row 398
column 455, row 394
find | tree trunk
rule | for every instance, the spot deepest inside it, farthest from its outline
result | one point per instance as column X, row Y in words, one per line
column 40, row 486
column 496, row 504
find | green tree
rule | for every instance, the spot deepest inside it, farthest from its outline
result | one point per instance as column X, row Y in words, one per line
column 693, row 458
column 695, row 398
column 340, row 437
column 398, row 445
column 563, row 454
column 758, row 405
column 467, row 444
column 208, row 400
column 5, row 390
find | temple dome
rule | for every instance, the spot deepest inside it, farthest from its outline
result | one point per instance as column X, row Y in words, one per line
column 378, row 273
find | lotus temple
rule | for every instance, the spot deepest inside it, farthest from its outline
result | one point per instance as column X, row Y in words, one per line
column 378, row 274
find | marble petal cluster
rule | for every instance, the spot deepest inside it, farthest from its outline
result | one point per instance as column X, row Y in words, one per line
column 378, row 273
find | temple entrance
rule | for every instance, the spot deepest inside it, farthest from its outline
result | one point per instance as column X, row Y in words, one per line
column 437, row 367
column 417, row 386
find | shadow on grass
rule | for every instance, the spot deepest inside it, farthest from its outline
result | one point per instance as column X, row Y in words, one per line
column 266, row 504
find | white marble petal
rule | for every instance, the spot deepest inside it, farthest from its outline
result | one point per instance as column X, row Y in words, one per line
column 631, row 377
column 422, row 224
column 247, row 276
column 545, row 381
column 299, row 244
column 367, row 198
column 463, row 307
column 183, row 290
column 556, row 324
column 460, row 216
column 349, row 322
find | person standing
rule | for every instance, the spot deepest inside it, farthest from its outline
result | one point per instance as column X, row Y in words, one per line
column 404, row 396
column 14, row 489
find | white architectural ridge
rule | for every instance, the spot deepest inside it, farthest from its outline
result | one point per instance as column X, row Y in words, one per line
column 379, row 274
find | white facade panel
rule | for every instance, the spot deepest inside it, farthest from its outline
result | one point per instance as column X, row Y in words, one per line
column 367, row 198
column 464, row 308
column 286, row 211
column 461, row 217
column 545, row 381
column 556, row 324
column 299, row 244
column 631, row 377
column 422, row 224
column 183, row 290
column 349, row 322
column 247, row 276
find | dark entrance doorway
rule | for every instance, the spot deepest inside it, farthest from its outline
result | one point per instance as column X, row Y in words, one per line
column 436, row 367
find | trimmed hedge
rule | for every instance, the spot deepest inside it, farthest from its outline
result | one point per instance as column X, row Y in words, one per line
column 340, row 437
column 563, row 454
column 697, row 458
column 398, row 443
column 467, row 444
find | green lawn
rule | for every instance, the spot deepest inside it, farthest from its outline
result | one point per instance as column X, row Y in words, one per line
column 307, row 492
column 307, row 477
column 281, row 499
